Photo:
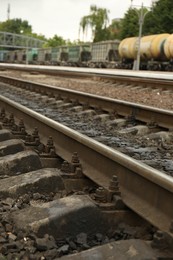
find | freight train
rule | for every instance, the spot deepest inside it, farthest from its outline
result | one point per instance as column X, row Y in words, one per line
column 156, row 53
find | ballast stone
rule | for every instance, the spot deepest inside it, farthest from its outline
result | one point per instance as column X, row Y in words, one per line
column 136, row 130
column 118, row 122
column 19, row 163
column 163, row 135
column 43, row 180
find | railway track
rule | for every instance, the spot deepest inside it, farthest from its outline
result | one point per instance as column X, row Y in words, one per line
column 25, row 187
column 134, row 176
column 146, row 79
column 147, row 91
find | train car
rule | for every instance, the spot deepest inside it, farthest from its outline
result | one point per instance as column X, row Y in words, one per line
column 55, row 56
column 64, row 54
column 32, row 56
column 11, row 56
column 3, row 54
column 168, row 51
column 44, row 56
column 21, row 56
column 127, row 50
column 59, row 55
column 104, row 54
column 152, row 55
column 156, row 53
column 79, row 55
column 152, row 51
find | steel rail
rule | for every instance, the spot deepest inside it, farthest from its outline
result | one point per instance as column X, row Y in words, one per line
column 162, row 76
column 147, row 114
column 144, row 189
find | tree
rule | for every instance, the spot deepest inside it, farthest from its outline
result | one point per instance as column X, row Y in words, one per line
column 16, row 26
column 38, row 36
column 160, row 19
column 115, row 29
column 130, row 23
column 97, row 21
column 55, row 41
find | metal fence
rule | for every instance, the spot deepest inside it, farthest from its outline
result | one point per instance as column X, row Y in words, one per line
column 11, row 40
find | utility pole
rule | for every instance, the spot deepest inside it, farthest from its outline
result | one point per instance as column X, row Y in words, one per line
column 141, row 16
column 8, row 12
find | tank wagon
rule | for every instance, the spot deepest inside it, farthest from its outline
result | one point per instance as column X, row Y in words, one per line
column 156, row 53
column 168, row 51
column 127, row 52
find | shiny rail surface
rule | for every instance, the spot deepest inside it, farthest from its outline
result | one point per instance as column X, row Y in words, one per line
column 144, row 189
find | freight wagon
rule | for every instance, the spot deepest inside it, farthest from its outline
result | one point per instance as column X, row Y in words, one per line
column 79, row 55
column 104, row 54
column 11, row 57
column 59, row 55
column 3, row 54
column 32, row 56
column 44, row 56
column 156, row 53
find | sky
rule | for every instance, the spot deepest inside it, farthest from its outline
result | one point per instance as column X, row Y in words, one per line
column 62, row 17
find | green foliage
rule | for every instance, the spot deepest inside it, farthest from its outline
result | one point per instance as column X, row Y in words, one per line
column 157, row 20
column 75, row 42
column 160, row 20
column 16, row 26
column 130, row 22
column 22, row 27
column 115, row 29
column 55, row 41
column 97, row 21
column 59, row 41
column 38, row 36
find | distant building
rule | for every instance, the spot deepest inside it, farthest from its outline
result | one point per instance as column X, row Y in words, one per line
column 116, row 20
column 154, row 1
